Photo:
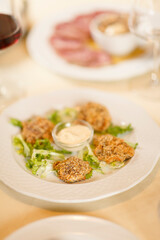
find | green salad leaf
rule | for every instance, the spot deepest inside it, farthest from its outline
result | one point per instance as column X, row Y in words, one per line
column 36, row 165
column 21, row 146
column 16, row 122
column 41, row 161
column 116, row 164
column 133, row 145
column 64, row 115
column 44, row 154
column 87, row 155
column 89, row 175
column 91, row 159
column 44, row 144
column 116, row 130
column 55, row 117
column 63, row 151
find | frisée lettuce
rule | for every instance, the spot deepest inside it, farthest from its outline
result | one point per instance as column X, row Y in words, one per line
column 117, row 130
column 64, row 115
column 41, row 162
column 15, row 122
column 21, row 146
column 87, row 155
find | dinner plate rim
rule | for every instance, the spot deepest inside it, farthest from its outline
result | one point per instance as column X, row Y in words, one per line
column 72, row 217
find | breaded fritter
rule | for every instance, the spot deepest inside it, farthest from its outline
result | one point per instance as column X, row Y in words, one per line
column 37, row 128
column 72, row 169
column 96, row 114
column 110, row 149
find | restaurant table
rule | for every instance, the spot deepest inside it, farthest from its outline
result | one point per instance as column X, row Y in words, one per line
column 137, row 209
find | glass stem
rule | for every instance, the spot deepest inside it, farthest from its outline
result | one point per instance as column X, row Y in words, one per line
column 155, row 76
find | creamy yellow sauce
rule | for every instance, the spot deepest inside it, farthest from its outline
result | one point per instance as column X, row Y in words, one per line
column 116, row 28
column 114, row 24
column 74, row 135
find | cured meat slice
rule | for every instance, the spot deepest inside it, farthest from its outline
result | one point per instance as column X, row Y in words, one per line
column 78, row 28
column 86, row 57
column 60, row 43
column 101, row 58
column 70, row 40
column 70, row 30
column 81, row 57
column 83, row 22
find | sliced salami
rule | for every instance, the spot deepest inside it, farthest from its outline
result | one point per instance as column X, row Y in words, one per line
column 83, row 22
column 60, row 43
column 81, row 57
column 70, row 30
column 70, row 40
column 101, row 58
column 86, row 57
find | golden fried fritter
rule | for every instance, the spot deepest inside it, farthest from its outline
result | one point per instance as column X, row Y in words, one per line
column 96, row 114
column 97, row 138
column 110, row 149
column 72, row 169
column 37, row 128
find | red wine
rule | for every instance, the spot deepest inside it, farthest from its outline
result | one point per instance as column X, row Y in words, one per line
column 10, row 31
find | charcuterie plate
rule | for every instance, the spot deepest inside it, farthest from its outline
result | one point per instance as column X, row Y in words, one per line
column 42, row 51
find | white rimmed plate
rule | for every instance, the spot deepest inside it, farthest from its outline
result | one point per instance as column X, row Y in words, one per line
column 72, row 227
column 42, row 52
column 146, row 133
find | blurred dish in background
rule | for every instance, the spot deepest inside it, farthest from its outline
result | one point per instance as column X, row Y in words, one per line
column 75, row 227
column 81, row 40
column 73, row 42
column 112, row 33
column 64, row 44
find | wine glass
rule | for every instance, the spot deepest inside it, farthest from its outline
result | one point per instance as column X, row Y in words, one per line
column 144, row 22
column 10, row 34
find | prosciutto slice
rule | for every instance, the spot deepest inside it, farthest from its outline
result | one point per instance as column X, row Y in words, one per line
column 70, row 30
column 70, row 39
column 86, row 57
column 60, row 43
column 101, row 58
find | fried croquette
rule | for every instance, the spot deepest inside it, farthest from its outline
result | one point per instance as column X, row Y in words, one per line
column 37, row 128
column 109, row 149
column 71, row 170
column 96, row 114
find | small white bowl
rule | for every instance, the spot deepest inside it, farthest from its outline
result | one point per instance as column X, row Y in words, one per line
column 73, row 147
column 118, row 45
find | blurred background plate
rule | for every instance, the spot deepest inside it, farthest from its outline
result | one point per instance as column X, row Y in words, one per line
column 72, row 227
column 41, row 51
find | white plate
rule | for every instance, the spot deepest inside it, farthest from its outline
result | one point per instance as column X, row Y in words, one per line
column 40, row 49
column 72, row 227
column 146, row 133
